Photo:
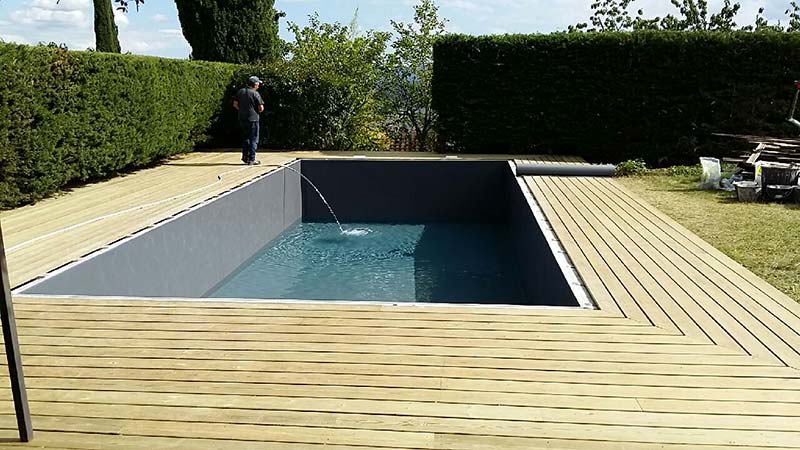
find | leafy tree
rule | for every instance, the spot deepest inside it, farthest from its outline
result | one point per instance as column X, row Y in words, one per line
column 235, row 31
column 694, row 16
column 762, row 24
column 613, row 15
column 351, row 64
column 409, row 75
column 794, row 16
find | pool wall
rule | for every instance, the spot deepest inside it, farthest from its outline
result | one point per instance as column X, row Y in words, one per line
column 543, row 276
column 431, row 191
column 406, row 191
column 188, row 255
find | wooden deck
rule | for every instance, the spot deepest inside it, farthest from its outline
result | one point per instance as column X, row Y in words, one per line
column 688, row 349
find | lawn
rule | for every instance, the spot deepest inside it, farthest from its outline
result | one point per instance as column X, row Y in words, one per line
column 765, row 238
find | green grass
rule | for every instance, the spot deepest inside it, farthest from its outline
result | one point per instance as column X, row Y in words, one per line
column 765, row 238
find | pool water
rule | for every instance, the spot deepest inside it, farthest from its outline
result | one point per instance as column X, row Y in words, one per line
column 430, row 262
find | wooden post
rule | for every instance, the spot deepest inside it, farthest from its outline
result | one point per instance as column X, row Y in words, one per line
column 12, row 352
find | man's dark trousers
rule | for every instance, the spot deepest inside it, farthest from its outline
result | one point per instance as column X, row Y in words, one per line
column 250, row 131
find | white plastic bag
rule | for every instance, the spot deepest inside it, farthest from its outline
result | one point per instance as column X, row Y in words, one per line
column 712, row 173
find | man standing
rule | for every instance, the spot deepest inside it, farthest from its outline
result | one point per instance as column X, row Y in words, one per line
column 249, row 104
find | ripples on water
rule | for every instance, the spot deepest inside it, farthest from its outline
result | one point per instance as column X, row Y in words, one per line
column 404, row 263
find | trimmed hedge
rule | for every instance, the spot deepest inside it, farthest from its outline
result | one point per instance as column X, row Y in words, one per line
column 74, row 116
column 611, row 96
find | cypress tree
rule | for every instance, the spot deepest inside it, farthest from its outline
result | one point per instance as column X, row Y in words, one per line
column 105, row 30
column 234, row 31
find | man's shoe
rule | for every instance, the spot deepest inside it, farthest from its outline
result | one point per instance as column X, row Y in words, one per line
column 254, row 163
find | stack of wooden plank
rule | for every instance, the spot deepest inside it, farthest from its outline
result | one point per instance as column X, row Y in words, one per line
column 782, row 150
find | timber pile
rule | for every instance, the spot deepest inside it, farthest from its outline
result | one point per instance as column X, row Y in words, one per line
column 767, row 149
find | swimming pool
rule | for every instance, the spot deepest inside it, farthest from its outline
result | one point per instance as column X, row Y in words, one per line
column 439, row 231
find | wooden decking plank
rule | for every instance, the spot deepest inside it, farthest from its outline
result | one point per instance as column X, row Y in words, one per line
column 90, row 441
column 771, row 328
column 73, row 209
column 632, row 290
column 595, row 386
column 227, row 394
column 63, row 440
column 402, row 344
column 407, row 376
column 406, row 365
column 662, row 288
column 461, row 442
column 705, row 309
column 646, row 291
column 355, row 335
column 155, row 406
column 513, row 393
column 224, row 430
column 719, row 401
column 579, row 257
column 331, row 309
column 603, row 268
column 780, row 409
column 355, row 429
column 197, row 316
column 782, row 340
column 383, row 328
column 784, row 306
column 296, row 350
column 507, row 391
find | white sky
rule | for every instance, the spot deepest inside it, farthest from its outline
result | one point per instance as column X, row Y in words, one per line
column 155, row 29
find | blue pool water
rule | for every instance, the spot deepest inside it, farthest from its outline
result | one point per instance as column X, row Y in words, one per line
column 434, row 262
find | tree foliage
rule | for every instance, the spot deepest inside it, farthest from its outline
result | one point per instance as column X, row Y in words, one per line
column 614, row 15
column 690, row 15
column 235, row 31
column 407, row 82
column 351, row 63
column 694, row 16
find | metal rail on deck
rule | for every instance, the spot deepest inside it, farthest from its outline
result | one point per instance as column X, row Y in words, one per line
column 12, row 352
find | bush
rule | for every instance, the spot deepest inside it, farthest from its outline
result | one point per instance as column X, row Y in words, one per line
column 75, row 116
column 611, row 96
column 324, row 98
column 631, row 167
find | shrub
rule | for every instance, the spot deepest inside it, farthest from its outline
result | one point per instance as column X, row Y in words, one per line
column 631, row 167
column 611, row 96
column 303, row 111
column 324, row 98
column 74, row 116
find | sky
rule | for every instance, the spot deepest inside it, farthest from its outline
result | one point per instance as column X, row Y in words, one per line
column 155, row 30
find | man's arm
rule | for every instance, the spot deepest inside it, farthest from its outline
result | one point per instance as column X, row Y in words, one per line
column 236, row 104
column 260, row 103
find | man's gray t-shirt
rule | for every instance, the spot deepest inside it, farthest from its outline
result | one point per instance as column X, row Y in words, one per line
column 249, row 101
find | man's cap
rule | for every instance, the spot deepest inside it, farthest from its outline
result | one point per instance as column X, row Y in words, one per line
column 253, row 80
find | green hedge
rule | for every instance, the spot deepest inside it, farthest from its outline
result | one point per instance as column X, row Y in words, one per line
column 611, row 96
column 73, row 116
